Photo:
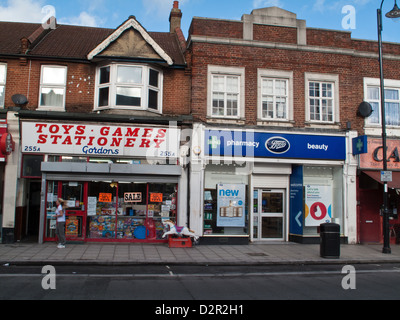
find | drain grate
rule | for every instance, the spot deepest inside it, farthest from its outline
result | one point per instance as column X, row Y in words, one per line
column 257, row 254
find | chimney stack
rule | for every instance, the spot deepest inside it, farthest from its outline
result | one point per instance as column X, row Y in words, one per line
column 175, row 17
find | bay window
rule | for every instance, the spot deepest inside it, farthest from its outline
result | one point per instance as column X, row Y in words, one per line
column 123, row 86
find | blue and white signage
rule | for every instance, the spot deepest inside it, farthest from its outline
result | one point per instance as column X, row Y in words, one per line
column 231, row 205
column 272, row 145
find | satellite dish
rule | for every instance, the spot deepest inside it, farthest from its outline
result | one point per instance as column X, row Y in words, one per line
column 19, row 99
column 365, row 109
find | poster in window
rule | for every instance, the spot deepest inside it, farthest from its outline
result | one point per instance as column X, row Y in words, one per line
column 71, row 226
column 231, row 205
column 318, row 205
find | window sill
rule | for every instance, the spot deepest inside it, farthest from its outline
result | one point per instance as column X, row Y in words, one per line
column 323, row 125
column 57, row 109
column 275, row 123
column 226, row 120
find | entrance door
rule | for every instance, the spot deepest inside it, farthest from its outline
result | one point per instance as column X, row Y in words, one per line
column 269, row 214
column 74, row 194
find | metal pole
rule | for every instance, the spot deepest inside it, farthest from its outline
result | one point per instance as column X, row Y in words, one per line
column 386, row 239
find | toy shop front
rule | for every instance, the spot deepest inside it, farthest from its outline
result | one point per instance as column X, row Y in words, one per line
column 119, row 182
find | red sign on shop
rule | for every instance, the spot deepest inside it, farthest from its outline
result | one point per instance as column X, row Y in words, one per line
column 6, row 141
column 99, row 140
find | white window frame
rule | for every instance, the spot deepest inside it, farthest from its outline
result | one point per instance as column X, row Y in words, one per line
column 276, row 75
column 144, row 87
column 227, row 72
column 3, row 84
column 54, row 86
column 323, row 78
column 376, row 128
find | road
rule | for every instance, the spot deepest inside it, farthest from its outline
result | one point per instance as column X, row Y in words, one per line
column 200, row 283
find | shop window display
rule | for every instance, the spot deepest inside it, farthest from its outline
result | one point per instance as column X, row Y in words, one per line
column 129, row 211
column 52, row 196
column 226, row 200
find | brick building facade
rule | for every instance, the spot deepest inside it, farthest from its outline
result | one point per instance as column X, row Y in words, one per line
column 271, row 75
column 259, row 113
column 95, row 114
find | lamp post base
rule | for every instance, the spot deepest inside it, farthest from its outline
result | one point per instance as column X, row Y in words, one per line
column 386, row 250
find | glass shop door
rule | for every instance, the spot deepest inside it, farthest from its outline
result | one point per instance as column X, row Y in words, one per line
column 74, row 194
column 269, row 215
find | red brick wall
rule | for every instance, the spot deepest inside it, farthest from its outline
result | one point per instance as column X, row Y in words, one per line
column 274, row 34
column 81, row 84
column 350, row 68
column 217, row 28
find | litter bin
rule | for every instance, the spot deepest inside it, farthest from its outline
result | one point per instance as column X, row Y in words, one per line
column 330, row 240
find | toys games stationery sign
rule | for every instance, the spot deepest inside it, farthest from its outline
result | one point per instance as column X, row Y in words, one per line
column 231, row 205
column 92, row 140
column 318, row 205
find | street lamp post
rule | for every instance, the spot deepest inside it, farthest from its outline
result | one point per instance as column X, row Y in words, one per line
column 394, row 13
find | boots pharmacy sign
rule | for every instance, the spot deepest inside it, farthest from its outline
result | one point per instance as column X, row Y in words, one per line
column 100, row 140
column 273, row 145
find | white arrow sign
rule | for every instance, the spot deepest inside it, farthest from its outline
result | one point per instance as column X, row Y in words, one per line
column 298, row 218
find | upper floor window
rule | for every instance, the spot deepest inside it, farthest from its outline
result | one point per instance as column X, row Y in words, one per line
column 322, row 98
column 53, row 81
column 225, row 92
column 274, row 99
column 275, row 95
column 3, row 74
column 321, row 101
column 392, row 101
column 129, row 86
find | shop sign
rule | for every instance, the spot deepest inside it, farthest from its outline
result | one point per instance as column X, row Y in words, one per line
column 6, row 141
column 263, row 145
column 98, row 140
column 318, row 205
column 374, row 158
column 156, row 197
column 105, row 197
column 231, row 205
column 360, row 145
column 296, row 201
column 131, row 197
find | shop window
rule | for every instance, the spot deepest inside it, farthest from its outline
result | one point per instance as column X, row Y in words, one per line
column 51, row 207
column 52, row 88
column 129, row 211
column 225, row 201
column 125, row 86
column 101, row 210
column 31, row 166
column 323, row 193
column 3, row 74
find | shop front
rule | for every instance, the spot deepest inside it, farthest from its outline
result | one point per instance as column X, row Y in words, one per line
column 272, row 186
column 370, row 191
column 106, row 211
column 119, row 182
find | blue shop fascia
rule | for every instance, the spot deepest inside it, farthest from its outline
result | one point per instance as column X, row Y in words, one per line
column 262, row 186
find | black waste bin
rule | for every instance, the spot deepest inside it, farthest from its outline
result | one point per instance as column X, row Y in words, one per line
column 330, row 240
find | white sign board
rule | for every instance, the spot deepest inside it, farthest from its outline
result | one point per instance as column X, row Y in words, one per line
column 318, row 205
column 98, row 140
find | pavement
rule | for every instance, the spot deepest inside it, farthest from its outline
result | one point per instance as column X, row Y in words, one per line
column 147, row 254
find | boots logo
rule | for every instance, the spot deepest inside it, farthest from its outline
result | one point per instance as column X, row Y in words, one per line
column 277, row 145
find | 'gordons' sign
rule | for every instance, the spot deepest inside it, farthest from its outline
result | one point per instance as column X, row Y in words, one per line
column 74, row 139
